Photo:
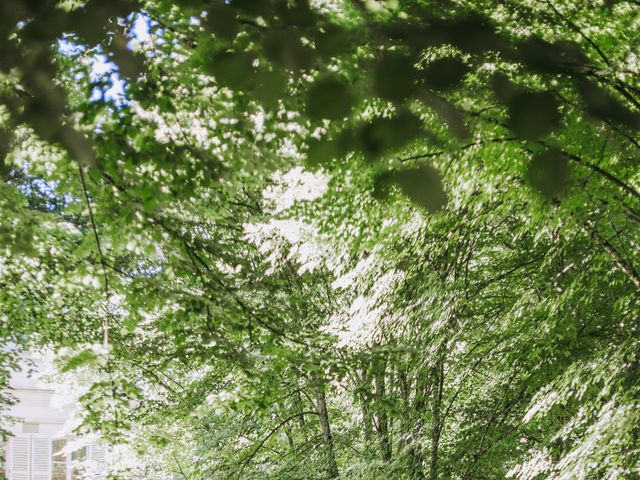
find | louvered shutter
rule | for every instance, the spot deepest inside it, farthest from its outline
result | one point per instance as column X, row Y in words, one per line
column 19, row 455
column 98, row 453
column 40, row 458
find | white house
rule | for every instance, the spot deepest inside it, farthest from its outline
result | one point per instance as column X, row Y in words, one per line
column 40, row 447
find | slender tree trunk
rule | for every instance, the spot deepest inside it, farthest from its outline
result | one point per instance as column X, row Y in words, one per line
column 416, row 454
column 332, row 466
column 368, row 421
column 287, row 432
column 381, row 417
column 405, row 414
column 436, row 427
column 301, row 421
column 362, row 379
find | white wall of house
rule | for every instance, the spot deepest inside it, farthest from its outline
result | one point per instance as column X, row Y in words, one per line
column 39, row 446
column 34, row 404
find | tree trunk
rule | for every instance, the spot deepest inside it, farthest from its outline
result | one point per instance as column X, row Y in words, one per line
column 436, row 427
column 381, row 417
column 332, row 466
column 415, row 453
column 287, row 432
column 301, row 422
column 362, row 379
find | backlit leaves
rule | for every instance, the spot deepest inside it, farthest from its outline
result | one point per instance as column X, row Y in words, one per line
column 242, row 285
column 83, row 358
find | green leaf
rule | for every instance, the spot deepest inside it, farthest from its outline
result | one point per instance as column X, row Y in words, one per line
column 253, row 7
column 423, row 186
column 382, row 135
column 604, row 106
column 329, row 98
column 333, row 41
column 285, row 48
column 269, row 87
column 394, row 76
column 221, row 21
column 85, row 357
column 5, row 139
column 322, row 151
column 533, row 115
column 297, row 12
column 545, row 57
column 444, row 73
column 232, row 69
column 548, row 173
column 130, row 64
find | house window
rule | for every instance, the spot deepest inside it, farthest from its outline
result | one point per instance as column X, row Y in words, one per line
column 77, row 456
column 38, row 457
column 59, row 463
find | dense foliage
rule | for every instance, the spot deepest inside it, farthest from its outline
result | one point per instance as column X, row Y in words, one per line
column 320, row 239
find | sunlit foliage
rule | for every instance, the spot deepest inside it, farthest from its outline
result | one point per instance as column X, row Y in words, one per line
column 320, row 239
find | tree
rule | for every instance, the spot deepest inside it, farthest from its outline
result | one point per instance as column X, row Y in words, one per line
column 343, row 239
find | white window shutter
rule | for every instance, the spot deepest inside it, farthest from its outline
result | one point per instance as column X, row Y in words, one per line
column 19, row 453
column 40, row 458
column 98, row 454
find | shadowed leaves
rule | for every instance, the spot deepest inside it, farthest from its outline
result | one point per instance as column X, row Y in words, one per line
column 444, row 73
column 386, row 134
column 221, row 21
column 297, row 13
column 231, row 69
column 422, row 185
column 533, row 114
column 129, row 63
column 322, row 151
column 449, row 113
column 253, row 8
column 5, row 139
column 604, row 106
column 394, row 77
column 329, row 98
column 284, row 48
column 548, row 173
column 472, row 34
column 333, row 41
column 269, row 87
column 555, row 58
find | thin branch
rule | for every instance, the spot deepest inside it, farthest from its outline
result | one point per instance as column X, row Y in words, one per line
column 180, row 467
column 576, row 29
column 620, row 183
column 464, row 147
column 623, row 265
column 105, row 337
column 269, row 435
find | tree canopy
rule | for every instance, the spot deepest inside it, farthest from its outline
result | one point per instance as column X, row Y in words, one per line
column 319, row 239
